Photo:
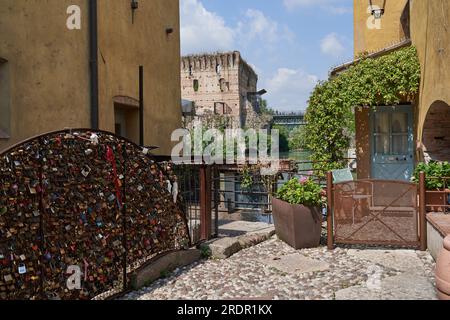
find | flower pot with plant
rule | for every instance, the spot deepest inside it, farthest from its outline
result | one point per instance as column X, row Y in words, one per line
column 437, row 183
column 297, row 213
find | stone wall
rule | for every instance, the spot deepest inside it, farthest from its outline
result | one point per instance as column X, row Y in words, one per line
column 219, row 83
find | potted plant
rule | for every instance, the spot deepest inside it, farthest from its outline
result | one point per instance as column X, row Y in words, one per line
column 437, row 183
column 297, row 213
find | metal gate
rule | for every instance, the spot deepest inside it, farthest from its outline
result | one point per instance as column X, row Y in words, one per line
column 376, row 212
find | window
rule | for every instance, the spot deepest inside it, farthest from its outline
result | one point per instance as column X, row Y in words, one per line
column 190, row 71
column 224, row 85
column 391, row 133
column 196, row 85
column 5, row 112
column 218, row 68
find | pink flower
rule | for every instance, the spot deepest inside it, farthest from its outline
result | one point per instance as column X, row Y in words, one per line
column 303, row 179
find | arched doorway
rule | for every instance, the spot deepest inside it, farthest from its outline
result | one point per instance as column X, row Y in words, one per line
column 436, row 132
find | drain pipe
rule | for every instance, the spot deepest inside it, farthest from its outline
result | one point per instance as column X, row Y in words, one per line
column 93, row 62
column 141, row 105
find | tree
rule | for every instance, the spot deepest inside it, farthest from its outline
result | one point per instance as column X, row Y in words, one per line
column 298, row 139
column 265, row 109
column 284, row 137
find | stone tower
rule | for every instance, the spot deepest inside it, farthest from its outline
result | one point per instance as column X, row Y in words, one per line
column 220, row 83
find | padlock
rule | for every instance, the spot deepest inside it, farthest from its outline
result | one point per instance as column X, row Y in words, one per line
column 22, row 268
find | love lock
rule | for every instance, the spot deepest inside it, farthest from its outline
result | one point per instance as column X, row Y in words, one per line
column 22, row 268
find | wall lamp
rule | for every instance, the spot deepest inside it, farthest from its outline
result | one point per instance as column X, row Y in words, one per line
column 377, row 12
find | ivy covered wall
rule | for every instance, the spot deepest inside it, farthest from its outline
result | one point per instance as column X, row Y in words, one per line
column 387, row 80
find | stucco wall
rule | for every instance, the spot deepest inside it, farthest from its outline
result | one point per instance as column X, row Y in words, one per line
column 430, row 34
column 373, row 39
column 123, row 46
column 47, row 65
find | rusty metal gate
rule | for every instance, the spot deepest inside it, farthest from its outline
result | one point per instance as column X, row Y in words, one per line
column 376, row 212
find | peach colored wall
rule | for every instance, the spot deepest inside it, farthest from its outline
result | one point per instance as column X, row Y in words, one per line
column 429, row 30
column 123, row 46
column 391, row 31
column 48, row 66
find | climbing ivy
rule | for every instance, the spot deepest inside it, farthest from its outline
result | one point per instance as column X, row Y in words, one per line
column 386, row 80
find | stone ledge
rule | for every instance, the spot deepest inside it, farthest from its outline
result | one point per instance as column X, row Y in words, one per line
column 438, row 227
column 165, row 263
column 441, row 222
column 224, row 248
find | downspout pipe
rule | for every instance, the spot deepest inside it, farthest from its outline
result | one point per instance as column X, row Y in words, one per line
column 93, row 62
column 141, row 105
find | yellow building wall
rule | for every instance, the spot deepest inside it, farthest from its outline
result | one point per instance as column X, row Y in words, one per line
column 370, row 36
column 431, row 35
column 123, row 46
column 47, row 67
column 49, row 74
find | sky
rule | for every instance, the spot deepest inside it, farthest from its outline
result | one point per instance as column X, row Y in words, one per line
column 291, row 44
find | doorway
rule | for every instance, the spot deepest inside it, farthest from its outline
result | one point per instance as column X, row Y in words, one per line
column 126, row 121
column 392, row 143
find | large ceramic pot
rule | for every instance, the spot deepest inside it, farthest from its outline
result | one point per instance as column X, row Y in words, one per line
column 437, row 199
column 297, row 225
column 443, row 271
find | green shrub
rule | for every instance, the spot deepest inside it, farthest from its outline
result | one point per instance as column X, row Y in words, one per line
column 432, row 170
column 301, row 191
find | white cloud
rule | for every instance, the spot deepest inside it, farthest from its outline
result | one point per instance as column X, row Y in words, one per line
column 289, row 89
column 332, row 45
column 206, row 31
column 257, row 26
column 337, row 7
column 202, row 30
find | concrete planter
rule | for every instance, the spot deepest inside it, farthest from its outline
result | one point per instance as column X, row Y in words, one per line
column 297, row 225
column 443, row 271
column 437, row 200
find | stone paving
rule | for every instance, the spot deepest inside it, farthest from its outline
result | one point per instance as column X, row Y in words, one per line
column 273, row 270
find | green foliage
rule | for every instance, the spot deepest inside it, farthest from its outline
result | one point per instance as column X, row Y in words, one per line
column 301, row 191
column 284, row 137
column 387, row 80
column 205, row 252
column 247, row 178
column 298, row 139
column 164, row 274
column 434, row 169
column 265, row 109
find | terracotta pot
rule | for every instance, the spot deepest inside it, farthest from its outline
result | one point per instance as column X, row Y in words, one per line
column 297, row 225
column 443, row 271
column 437, row 200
